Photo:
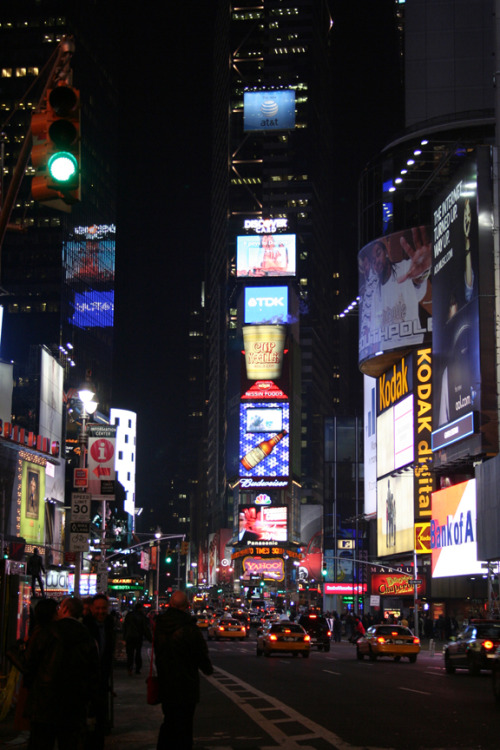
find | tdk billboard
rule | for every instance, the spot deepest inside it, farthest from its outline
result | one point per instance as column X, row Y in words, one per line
column 269, row 110
column 266, row 304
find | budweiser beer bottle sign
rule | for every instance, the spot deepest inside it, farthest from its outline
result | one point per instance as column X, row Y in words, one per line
column 258, row 454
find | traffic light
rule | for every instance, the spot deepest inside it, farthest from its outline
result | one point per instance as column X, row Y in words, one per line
column 184, row 548
column 55, row 152
column 168, row 559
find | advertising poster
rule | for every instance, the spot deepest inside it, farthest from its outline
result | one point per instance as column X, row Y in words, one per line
column 269, row 110
column 453, row 531
column 455, row 343
column 32, row 526
column 264, row 449
column 51, row 398
column 311, row 536
column 395, row 514
column 262, row 255
column 262, row 523
column 370, row 443
column 395, row 292
column 213, row 558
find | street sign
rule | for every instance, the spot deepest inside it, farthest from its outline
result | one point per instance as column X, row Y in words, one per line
column 415, row 581
column 345, row 543
column 78, row 542
column 80, row 527
column 80, row 506
column 81, row 478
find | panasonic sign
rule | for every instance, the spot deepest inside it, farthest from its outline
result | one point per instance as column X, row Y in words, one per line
column 266, row 304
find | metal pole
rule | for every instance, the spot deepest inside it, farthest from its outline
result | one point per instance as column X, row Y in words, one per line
column 158, row 575
column 83, row 447
column 415, row 595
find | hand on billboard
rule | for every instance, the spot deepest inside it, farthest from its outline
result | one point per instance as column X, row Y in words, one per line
column 420, row 257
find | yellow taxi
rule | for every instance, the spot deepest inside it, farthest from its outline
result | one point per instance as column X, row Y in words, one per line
column 283, row 636
column 204, row 621
column 388, row 640
column 226, row 627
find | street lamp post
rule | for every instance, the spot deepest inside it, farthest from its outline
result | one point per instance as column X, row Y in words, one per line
column 86, row 394
column 158, row 537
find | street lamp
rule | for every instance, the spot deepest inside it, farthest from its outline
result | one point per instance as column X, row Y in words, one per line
column 158, row 535
column 86, row 394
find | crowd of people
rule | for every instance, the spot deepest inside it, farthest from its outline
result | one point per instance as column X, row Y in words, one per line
column 67, row 662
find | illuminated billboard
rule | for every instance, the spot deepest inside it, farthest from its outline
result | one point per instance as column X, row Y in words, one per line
column 370, row 443
column 51, row 397
column 395, row 437
column 89, row 256
column 453, row 531
column 264, row 453
column 262, row 523
column 395, row 514
column 264, row 351
column 269, row 569
column 93, row 309
column 262, row 255
column 395, row 292
column 266, row 304
column 269, row 110
column 31, row 499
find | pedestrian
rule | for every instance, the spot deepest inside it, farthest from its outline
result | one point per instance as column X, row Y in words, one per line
column 62, row 672
column 180, row 651
column 100, row 625
column 35, row 569
column 337, row 628
column 135, row 630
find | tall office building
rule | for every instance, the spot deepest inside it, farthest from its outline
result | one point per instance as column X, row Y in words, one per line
column 271, row 261
column 57, row 267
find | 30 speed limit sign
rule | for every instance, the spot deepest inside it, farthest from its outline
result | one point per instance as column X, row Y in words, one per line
column 80, row 506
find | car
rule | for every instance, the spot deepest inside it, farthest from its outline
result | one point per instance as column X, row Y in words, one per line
column 283, row 637
column 226, row 627
column 474, row 647
column 318, row 629
column 244, row 618
column 204, row 621
column 388, row 640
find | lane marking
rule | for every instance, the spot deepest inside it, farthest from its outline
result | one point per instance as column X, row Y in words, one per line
column 329, row 671
column 410, row 690
column 283, row 740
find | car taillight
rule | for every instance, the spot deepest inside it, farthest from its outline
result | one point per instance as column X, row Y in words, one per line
column 415, row 639
column 329, row 633
column 380, row 639
column 307, row 637
column 220, row 627
column 273, row 638
column 488, row 645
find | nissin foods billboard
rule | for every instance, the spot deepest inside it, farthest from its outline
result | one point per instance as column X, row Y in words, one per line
column 269, row 110
column 266, row 304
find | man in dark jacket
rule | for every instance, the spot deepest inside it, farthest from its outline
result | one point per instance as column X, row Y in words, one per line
column 62, row 674
column 101, row 626
column 180, row 651
column 135, row 629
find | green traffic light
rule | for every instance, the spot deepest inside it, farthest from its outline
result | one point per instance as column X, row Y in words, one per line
column 63, row 167
column 168, row 559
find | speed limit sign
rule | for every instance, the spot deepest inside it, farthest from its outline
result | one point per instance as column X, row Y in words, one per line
column 80, row 506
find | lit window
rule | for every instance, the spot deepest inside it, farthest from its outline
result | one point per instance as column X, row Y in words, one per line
column 20, row 72
column 6, row 72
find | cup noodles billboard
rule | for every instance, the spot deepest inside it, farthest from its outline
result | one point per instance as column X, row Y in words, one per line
column 264, row 348
column 453, row 531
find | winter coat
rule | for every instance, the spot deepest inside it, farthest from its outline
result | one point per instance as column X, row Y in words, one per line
column 136, row 626
column 62, row 673
column 180, row 651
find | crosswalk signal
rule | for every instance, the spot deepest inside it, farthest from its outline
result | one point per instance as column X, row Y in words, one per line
column 56, row 149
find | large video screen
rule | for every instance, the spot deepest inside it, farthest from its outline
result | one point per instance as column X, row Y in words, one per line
column 266, row 304
column 395, row 441
column 264, row 452
column 395, row 514
column 262, row 523
column 262, row 255
column 94, row 309
column 269, row 110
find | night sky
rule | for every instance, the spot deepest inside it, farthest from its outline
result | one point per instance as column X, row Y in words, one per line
column 164, row 195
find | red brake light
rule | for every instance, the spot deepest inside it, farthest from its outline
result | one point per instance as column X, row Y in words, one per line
column 288, row 630
column 312, row 617
column 380, row 639
column 307, row 637
column 394, row 632
column 488, row 645
column 329, row 633
column 415, row 639
column 272, row 637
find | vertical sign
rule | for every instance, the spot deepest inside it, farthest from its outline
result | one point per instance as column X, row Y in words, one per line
column 101, row 461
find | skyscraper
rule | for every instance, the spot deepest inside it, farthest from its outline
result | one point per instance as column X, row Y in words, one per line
column 271, row 197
